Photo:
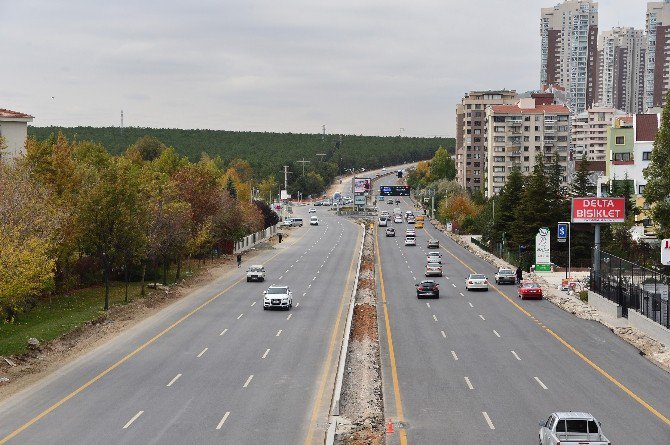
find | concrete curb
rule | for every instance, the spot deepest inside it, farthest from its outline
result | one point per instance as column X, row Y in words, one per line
column 337, row 390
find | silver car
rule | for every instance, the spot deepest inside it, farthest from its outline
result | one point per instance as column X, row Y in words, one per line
column 476, row 281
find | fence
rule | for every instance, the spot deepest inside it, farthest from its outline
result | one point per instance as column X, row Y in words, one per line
column 251, row 240
column 632, row 287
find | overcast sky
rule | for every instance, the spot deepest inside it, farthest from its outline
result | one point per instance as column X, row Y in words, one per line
column 367, row 67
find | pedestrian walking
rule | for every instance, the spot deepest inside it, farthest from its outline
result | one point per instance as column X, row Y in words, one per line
column 279, row 235
column 239, row 260
column 519, row 275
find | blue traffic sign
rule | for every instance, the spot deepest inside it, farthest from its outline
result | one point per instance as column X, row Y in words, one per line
column 562, row 232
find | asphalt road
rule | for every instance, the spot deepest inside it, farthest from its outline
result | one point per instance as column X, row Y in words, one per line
column 486, row 367
column 214, row 367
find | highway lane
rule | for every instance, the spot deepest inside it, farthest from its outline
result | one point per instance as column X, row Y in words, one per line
column 230, row 372
column 517, row 372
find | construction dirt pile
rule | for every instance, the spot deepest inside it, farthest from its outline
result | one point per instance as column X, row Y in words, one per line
column 362, row 406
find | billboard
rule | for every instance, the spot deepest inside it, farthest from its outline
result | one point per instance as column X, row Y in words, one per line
column 362, row 185
column 598, row 210
column 394, row 190
column 542, row 251
column 359, row 200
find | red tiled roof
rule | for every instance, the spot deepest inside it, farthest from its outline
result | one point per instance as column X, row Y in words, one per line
column 539, row 109
column 646, row 127
column 626, row 119
column 13, row 114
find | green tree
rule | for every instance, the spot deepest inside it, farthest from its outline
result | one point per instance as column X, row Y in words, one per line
column 268, row 188
column 147, row 148
column 533, row 210
column 230, row 186
column 506, row 204
column 582, row 185
column 442, row 165
column 657, row 191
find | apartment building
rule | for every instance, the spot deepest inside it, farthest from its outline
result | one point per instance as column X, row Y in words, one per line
column 14, row 130
column 471, row 135
column 588, row 132
column 657, row 69
column 621, row 69
column 517, row 134
column 568, row 53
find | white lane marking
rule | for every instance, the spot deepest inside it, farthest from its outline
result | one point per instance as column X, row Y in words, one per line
column 453, row 354
column 202, row 352
column 496, row 332
column 470, row 304
column 239, row 316
column 428, row 304
column 289, row 316
column 414, row 278
column 453, row 284
column 130, row 422
column 225, row 416
column 434, row 317
column 248, row 381
column 224, row 331
column 318, row 271
column 540, row 383
column 467, row 382
column 313, row 278
column 291, row 266
column 449, row 279
column 297, row 260
column 304, row 293
column 173, row 380
column 286, row 271
column 515, row 355
column 443, row 334
column 281, row 277
column 488, row 420
column 266, row 353
column 309, row 285
column 461, row 294
column 278, row 333
column 252, row 304
column 297, row 304
column 482, row 317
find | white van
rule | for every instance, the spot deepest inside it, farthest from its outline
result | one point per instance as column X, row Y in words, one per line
column 296, row 222
column 314, row 221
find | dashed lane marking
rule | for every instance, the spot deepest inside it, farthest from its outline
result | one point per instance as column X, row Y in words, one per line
column 223, row 420
column 248, row 381
column 267, row 351
column 467, row 382
column 539, row 382
column 516, row 356
column 224, row 331
column 488, row 420
column 453, row 354
column 202, row 352
column 173, row 380
column 134, row 418
column 496, row 332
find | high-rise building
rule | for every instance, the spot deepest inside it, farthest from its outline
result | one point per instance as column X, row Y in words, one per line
column 588, row 133
column 568, row 55
column 657, row 72
column 471, row 135
column 621, row 62
column 517, row 134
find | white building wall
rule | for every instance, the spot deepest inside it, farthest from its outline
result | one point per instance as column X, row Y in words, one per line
column 15, row 134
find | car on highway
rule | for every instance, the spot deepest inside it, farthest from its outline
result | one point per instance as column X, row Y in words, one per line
column 381, row 198
column 278, row 297
column 397, row 219
column 505, row 275
column 397, row 202
column 433, row 244
column 529, row 289
column 390, row 202
column 410, row 232
column 408, row 213
column 256, row 272
column 314, row 221
column 419, row 224
column 572, row 428
column 435, row 257
column 390, row 231
column 411, row 220
column 420, row 218
column 385, row 214
column 433, row 269
column 383, row 221
column 288, row 222
column 427, row 288
column 296, row 222
column 410, row 241
column 476, row 281
column 311, row 210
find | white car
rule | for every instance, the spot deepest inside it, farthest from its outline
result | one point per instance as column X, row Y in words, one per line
column 410, row 232
column 277, row 297
column 433, row 269
column 288, row 222
column 410, row 241
column 433, row 258
column 398, row 219
column 571, row 428
column 312, row 210
column 314, row 221
column 385, row 214
column 256, row 272
column 383, row 222
column 476, row 281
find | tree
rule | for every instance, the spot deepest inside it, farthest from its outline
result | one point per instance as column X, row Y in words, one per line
column 533, row 211
column 268, row 188
column 3, row 147
column 657, row 191
column 506, row 204
column 147, row 148
column 270, row 217
column 582, row 185
column 442, row 165
column 230, row 186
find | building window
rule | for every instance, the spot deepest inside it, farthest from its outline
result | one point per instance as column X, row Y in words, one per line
column 526, row 158
column 622, row 157
column 640, row 189
column 498, row 169
column 498, row 179
column 499, row 159
column 646, row 156
column 620, row 140
column 498, row 138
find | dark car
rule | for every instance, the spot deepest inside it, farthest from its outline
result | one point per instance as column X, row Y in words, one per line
column 427, row 288
column 433, row 244
column 390, row 231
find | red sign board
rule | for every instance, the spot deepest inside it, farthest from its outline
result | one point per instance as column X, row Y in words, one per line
column 598, row 210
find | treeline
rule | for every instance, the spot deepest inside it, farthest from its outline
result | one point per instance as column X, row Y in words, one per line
column 72, row 215
column 267, row 153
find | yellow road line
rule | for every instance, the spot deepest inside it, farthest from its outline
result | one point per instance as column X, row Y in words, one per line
column 394, row 372
column 331, row 347
column 604, row 373
column 124, row 359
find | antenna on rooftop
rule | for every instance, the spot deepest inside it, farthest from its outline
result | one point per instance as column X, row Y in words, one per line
column 121, row 120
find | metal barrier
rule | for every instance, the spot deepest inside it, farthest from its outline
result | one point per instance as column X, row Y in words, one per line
column 632, row 287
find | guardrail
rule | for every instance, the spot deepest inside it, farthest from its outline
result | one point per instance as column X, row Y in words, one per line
column 341, row 361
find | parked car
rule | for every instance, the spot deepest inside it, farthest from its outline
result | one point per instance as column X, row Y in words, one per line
column 410, row 241
column 390, row 231
column 288, row 222
column 256, row 273
column 572, row 428
column 433, row 269
column 476, row 281
column 433, row 244
column 277, row 297
column 530, row 289
column 505, row 275
column 427, row 288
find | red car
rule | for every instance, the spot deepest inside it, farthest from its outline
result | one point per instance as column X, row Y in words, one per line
column 530, row 289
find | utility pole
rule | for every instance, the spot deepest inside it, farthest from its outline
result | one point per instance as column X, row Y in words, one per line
column 303, row 162
column 323, row 135
column 286, row 177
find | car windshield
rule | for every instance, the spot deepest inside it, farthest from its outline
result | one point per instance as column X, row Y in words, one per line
column 277, row 290
column 531, row 285
column 477, row 277
column 428, row 284
column 506, row 272
column 255, row 269
column 433, row 265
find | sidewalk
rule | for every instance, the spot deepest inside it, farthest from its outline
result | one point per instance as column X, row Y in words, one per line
column 652, row 348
